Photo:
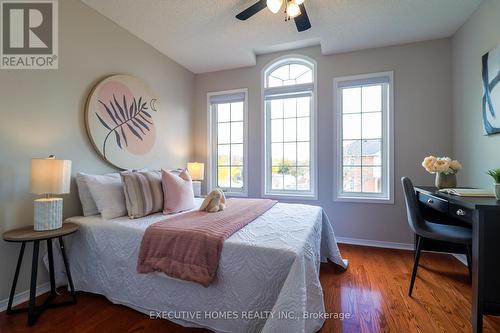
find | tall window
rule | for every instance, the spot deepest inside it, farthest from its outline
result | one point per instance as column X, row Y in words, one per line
column 228, row 132
column 289, row 126
column 364, row 140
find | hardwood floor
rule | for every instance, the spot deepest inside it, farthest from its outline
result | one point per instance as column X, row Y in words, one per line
column 373, row 291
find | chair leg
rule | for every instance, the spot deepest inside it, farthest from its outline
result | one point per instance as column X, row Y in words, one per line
column 415, row 247
column 468, row 254
column 415, row 265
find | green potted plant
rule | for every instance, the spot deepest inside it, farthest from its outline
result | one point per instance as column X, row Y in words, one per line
column 495, row 174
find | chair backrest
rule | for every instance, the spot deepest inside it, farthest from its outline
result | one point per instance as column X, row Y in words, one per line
column 415, row 219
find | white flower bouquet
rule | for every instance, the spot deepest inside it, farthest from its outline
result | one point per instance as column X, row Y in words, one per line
column 445, row 169
column 441, row 165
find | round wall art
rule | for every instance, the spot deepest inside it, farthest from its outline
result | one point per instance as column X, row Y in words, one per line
column 120, row 119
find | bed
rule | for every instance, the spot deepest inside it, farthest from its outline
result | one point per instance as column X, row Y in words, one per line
column 267, row 281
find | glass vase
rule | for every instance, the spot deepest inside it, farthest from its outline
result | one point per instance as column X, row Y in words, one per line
column 444, row 180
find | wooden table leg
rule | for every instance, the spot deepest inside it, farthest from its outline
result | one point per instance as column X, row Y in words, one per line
column 68, row 271
column 34, row 272
column 16, row 276
column 51, row 268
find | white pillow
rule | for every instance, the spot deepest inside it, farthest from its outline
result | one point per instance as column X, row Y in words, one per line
column 107, row 192
column 89, row 206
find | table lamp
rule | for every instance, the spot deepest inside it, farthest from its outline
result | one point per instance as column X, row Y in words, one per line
column 49, row 176
column 197, row 172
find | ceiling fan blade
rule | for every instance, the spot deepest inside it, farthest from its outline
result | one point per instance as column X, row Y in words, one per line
column 252, row 10
column 302, row 21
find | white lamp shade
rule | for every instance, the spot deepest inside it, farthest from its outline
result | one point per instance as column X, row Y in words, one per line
column 50, row 176
column 196, row 170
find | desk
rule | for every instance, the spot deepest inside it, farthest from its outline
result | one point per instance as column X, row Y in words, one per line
column 483, row 216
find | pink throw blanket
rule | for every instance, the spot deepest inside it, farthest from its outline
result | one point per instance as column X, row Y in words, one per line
column 189, row 246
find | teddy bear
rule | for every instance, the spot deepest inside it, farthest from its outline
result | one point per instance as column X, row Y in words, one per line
column 214, row 202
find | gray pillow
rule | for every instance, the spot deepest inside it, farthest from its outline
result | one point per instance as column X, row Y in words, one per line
column 107, row 192
column 89, row 206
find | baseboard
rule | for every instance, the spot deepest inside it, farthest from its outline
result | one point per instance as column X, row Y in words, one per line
column 390, row 245
column 24, row 296
column 375, row 243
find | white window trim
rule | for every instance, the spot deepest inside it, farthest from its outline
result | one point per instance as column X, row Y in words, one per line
column 313, row 194
column 211, row 148
column 387, row 142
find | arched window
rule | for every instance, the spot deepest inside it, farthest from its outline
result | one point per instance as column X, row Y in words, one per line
column 289, row 106
column 293, row 72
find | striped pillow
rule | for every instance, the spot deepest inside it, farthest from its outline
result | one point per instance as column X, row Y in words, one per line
column 143, row 193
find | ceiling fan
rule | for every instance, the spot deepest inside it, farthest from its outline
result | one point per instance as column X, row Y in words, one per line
column 293, row 9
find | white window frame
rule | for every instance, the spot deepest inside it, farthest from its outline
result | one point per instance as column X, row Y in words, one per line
column 266, row 157
column 387, row 197
column 212, row 144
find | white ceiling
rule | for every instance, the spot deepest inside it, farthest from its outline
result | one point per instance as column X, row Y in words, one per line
column 205, row 36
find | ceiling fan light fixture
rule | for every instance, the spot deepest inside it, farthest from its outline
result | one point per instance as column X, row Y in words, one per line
column 293, row 10
column 274, row 5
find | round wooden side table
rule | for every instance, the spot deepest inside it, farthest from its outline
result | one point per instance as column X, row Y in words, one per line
column 25, row 235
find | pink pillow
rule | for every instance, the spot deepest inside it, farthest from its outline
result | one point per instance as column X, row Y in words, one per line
column 177, row 192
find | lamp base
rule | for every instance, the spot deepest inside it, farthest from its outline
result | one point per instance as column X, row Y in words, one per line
column 197, row 188
column 48, row 214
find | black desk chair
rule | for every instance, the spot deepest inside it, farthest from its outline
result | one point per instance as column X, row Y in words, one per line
column 428, row 230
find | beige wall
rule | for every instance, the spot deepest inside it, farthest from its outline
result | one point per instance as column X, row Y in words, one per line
column 477, row 152
column 42, row 113
column 422, row 125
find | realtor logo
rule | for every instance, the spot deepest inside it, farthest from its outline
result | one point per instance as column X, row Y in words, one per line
column 29, row 37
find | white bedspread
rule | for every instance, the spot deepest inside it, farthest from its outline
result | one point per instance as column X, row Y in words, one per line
column 268, row 275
